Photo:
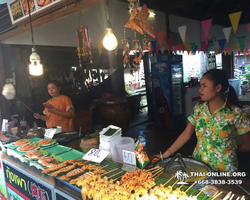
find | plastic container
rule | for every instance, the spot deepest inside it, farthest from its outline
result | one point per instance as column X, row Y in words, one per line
column 118, row 145
column 105, row 144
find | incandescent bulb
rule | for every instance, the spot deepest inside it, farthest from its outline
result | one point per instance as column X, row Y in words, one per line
column 109, row 41
column 35, row 68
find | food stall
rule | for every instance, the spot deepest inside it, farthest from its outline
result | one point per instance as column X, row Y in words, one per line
column 43, row 169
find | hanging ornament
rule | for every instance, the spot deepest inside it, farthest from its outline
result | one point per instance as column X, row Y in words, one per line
column 133, row 3
column 84, row 44
column 126, row 51
column 137, row 52
column 78, row 48
column 146, row 45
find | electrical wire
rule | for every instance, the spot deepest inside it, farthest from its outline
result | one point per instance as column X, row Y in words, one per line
column 31, row 29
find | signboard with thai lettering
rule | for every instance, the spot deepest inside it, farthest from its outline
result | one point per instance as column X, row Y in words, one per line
column 3, row 193
column 23, row 186
column 18, row 9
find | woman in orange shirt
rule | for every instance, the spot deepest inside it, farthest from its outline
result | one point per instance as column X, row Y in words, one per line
column 63, row 111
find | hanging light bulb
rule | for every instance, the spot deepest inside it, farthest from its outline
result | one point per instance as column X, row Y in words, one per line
column 35, row 67
column 109, row 41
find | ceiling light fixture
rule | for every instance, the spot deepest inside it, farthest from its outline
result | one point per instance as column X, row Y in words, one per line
column 35, row 67
column 109, row 41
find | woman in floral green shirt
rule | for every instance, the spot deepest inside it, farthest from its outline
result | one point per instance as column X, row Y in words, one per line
column 217, row 120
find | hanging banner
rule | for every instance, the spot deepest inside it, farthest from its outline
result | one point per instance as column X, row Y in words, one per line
column 182, row 31
column 160, row 36
column 236, row 47
column 169, row 43
column 235, row 19
column 227, row 32
column 241, row 42
column 222, row 44
column 206, row 24
column 217, row 50
column 153, row 44
column 100, row 46
column 18, row 9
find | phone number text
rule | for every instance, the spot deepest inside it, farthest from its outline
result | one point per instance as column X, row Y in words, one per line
column 219, row 182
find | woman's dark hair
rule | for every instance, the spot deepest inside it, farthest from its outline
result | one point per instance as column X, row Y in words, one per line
column 218, row 76
column 55, row 82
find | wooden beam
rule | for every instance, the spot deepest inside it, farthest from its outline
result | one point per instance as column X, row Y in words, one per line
column 62, row 12
column 181, row 3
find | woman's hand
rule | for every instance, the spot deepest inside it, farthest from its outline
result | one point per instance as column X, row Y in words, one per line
column 165, row 155
column 37, row 116
column 53, row 110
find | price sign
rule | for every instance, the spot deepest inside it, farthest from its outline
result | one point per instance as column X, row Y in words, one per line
column 49, row 133
column 129, row 157
column 96, row 155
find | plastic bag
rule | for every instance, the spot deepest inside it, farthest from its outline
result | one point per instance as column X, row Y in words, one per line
column 141, row 156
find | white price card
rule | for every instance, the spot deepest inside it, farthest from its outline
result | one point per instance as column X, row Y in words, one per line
column 129, row 157
column 49, row 133
column 95, row 155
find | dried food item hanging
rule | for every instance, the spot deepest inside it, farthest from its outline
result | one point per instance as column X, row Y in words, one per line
column 137, row 52
column 84, row 44
column 125, row 51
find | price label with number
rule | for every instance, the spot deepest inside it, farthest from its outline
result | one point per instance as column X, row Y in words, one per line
column 129, row 157
column 96, row 155
column 49, row 133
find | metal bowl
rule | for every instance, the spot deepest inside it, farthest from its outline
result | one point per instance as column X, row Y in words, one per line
column 190, row 166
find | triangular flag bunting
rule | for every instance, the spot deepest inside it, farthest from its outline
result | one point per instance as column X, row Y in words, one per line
column 157, row 50
column 235, row 19
column 206, row 24
column 199, row 50
column 188, row 47
column 186, row 41
column 241, row 42
column 175, row 48
column 248, row 27
column 217, row 50
column 249, row 43
column 229, row 50
column 235, row 45
column 153, row 44
column 99, row 46
column 162, row 50
column 204, row 47
column 160, row 36
column 169, row 43
column 182, row 31
column 192, row 47
column 195, row 49
column 222, row 44
column 227, row 32
column 208, row 49
column 225, row 53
